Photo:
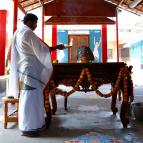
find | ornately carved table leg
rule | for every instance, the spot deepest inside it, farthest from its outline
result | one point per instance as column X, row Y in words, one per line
column 113, row 103
column 54, row 103
column 48, row 118
column 65, row 102
column 124, row 113
column 47, row 107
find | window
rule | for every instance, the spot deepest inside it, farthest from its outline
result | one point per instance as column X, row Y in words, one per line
column 110, row 53
column 125, row 52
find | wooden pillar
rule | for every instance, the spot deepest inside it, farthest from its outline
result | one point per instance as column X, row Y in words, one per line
column 15, row 15
column 117, row 36
column 3, row 20
column 43, row 22
column 54, row 41
column 104, row 43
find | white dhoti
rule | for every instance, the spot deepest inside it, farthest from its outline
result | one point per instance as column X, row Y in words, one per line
column 31, row 66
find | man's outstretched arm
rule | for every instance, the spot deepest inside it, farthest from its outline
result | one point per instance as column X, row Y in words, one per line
column 60, row 47
column 52, row 48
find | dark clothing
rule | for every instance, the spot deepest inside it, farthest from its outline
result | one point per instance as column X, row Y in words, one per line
column 85, row 53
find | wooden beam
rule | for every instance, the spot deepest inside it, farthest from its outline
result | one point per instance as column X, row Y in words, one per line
column 22, row 9
column 31, row 4
column 61, row 20
column 23, row 1
column 33, row 8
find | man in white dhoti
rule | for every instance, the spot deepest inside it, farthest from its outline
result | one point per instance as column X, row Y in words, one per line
column 31, row 66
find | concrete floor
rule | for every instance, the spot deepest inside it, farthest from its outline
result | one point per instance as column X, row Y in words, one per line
column 86, row 113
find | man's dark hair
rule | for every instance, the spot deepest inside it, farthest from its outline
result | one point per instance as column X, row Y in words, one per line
column 29, row 17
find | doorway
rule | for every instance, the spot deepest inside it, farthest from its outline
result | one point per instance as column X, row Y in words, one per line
column 76, row 41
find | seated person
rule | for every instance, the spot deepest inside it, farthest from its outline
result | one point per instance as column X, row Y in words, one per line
column 85, row 55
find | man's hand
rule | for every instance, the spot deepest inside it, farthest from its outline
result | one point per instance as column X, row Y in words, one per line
column 61, row 47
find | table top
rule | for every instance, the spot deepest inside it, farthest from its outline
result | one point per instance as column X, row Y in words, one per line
column 107, row 71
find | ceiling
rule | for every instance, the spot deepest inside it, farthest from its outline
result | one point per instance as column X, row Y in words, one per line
column 28, row 5
column 124, row 4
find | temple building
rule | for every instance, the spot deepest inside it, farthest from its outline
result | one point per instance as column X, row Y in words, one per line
column 102, row 56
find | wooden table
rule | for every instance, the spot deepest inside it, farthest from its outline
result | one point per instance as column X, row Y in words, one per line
column 88, row 77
